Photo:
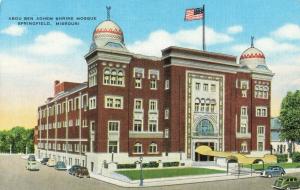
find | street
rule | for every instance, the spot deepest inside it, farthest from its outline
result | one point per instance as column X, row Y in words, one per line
column 14, row 176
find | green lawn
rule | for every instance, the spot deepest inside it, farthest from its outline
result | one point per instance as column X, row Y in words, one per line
column 284, row 165
column 160, row 173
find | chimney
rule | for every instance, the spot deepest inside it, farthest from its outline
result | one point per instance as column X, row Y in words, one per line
column 56, row 88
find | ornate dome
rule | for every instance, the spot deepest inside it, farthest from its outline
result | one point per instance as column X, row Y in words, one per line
column 253, row 58
column 108, row 35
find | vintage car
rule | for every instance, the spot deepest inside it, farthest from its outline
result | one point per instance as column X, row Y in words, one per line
column 272, row 171
column 32, row 165
column 51, row 162
column 82, row 172
column 286, row 182
column 73, row 169
column 60, row 166
column 44, row 161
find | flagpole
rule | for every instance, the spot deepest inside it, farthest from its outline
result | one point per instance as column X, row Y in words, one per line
column 203, row 29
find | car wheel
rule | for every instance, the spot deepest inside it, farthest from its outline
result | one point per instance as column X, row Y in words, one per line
column 269, row 176
column 288, row 188
column 282, row 174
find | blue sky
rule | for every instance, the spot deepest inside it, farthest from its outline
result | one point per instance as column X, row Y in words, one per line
column 32, row 57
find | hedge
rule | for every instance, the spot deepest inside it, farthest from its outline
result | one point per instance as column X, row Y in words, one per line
column 170, row 164
column 282, row 158
column 150, row 165
column 296, row 157
column 126, row 166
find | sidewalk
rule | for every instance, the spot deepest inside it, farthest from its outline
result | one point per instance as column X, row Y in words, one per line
column 172, row 180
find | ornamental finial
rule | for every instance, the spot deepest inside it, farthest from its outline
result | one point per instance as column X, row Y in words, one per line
column 252, row 41
column 108, row 8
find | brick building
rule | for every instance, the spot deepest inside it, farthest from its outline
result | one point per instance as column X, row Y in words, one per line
column 160, row 108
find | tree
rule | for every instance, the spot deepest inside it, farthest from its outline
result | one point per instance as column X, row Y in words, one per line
column 290, row 117
column 18, row 138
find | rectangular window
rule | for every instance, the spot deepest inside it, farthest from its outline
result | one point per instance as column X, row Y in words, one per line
column 260, row 146
column 153, row 148
column 244, row 84
column 138, row 104
column 70, row 123
column 167, row 112
column 261, row 130
column 152, row 105
column 166, row 133
column 197, row 86
column 213, row 88
column 92, row 77
column 152, row 125
column 138, row 83
column 205, row 87
column 76, row 104
column 137, row 125
column 167, row 84
column 92, row 103
column 63, row 107
column 115, row 102
column 113, row 146
column 113, row 125
column 137, row 149
column 243, row 129
column 153, row 84
column 244, row 111
column 261, row 111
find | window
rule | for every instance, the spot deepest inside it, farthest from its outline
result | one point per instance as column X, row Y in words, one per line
column 166, row 133
column 167, row 112
column 261, row 130
column 261, row 111
column 76, row 104
column 243, row 129
column 207, row 107
column 137, row 148
column 244, row 84
column 138, row 104
column 138, row 83
column 70, row 105
column 137, row 125
column 205, row 128
column 213, row 88
column 260, row 146
column 261, row 91
column 153, row 84
column 205, row 87
column 92, row 125
column 70, row 147
column 197, row 103
column 197, row 86
column 113, row 146
column 113, row 77
column 153, row 105
column 244, row 93
column 244, row 111
column 113, row 125
column 153, row 148
column 58, row 109
column 152, row 125
column 202, row 107
column 84, row 101
column 63, row 109
column 92, row 103
column 212, row 108
column 167, row 84
column 244, row 147
column 115, row 102
column 70, row 123
column 92, row 77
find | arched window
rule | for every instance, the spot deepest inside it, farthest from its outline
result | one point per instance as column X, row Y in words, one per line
column 137, row 148
column 113, row 77
column 153, row 148
column 120, row 78
column 197, row 103
column 106, row 76
column 205, row 127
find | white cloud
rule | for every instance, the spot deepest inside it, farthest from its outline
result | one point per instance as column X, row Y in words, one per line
column 192, row 38
column 288, row 31
column 53, row 43
column 235, row 29
column 13, row 30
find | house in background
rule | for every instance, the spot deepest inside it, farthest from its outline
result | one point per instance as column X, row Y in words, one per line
column 278, row 146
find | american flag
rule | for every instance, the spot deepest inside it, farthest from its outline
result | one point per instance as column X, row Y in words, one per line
column 194, row 14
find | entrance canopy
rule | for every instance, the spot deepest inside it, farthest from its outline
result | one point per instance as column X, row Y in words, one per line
column 240, row 158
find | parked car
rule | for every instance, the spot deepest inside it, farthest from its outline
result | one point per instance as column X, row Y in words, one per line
column 82, row 172
column 44, row 161
column 31, row 157
column 272, row 171
column 60, row 166
column 51, row 162
column 32, row 165
column 73, row 169
column 286, row 182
